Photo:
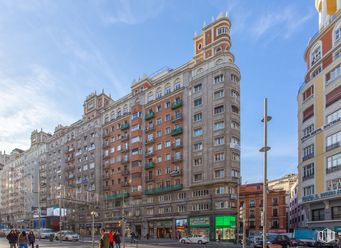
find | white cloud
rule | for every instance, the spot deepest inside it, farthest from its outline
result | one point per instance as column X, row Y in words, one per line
column 25, row 105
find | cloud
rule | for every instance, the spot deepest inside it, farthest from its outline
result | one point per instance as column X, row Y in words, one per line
column 130, row 11
column 26, row 105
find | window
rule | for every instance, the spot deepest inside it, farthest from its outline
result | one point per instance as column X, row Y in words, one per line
column 158, row 172
column 150, row 211
column 252, row 203
column 200, row 193
column 136, row 127
column 159, row 146
column 235, row 109
column 218, row 79
column 334, row 163
column 159, row 159
column 219, row 173
column 335, row 116
column 235, row 156
column 337, row 34
column 135, row 139
column 308, row 130
column 219, row 141
column 336, row 213
column 219, row 109
column 235, row 125
column 136, row 115
column 197, row 102
column 197, row 88
column 308, row 113
column 182, row 195
column 308, row 93
column 221, row 204
column 219, row 157
column 234, row 93
column 274, row 201
column 158, row 108
column 219, row 125
column 220, row 190
column 168, row 117
column 197, row 117
column 218, row 94
column 158, row 121
column 198, row 146
column 235, row 140
column 334, row 141
column 197, row 161
column 316, row 72
column 333, row 74
column 198, row 132
column 309, row 190
column 334, row 184
column 168, row 105
column 308, row 171
column 197, row 177
column 181, row 208
column 317, row 214
column 168, row 89
column 158, row 133
column 308, row 152
column 167, row 130
column 222, row 30
column 316, row 54
column 234, row 78
column 168, row 143
column 168, row 157
column 234, row 173
column 200, row 206
column 177, row 86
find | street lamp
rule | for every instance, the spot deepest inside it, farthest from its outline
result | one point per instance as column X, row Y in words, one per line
column 265, row 149
column 93, row 214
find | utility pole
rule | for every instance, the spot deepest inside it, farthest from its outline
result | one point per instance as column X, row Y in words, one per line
column 123, row 224
column 60, row 218
column 265, row 149
column 94, row 214
column 242, row 216
column 238, row 204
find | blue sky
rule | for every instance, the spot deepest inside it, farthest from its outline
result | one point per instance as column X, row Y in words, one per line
column 54, row 53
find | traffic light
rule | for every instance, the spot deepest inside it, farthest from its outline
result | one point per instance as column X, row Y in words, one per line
column 241, row 212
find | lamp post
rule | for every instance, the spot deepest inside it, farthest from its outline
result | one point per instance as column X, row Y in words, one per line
column 123, row 223
column 265, row 149
column 94, row 214
column 238, row 205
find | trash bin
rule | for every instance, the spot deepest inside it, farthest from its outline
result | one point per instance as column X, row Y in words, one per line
column 51, row 237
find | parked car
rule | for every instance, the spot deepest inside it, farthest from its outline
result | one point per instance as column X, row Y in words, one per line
column 67, row 235
column 4, row 232
column 46, row 233
column 194, row 238
column 272, row 240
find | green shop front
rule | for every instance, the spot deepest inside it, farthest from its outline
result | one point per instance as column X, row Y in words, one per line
column 214, row 227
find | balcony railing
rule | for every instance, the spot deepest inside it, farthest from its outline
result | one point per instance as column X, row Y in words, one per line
column 149, row 153
column 125, row 172
column 149, row 179
column 177, row 146
column 116, row 196
column 176, row 104
column 309, row 156
column 176, row 131
column 125, row 184
column 149, row 141
column 333, row 146
column 161, row 190
column 304, row 178
column 175, row 173
column 125, row 149
column 149, row 128
column 177, row 159
column 149, row 165
column 333, row 169
column 124, row 126
column 149, row 115
column 125, row 137
column 176, row 118
column 235, row 146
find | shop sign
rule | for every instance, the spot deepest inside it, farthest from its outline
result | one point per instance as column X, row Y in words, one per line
column 277, row 231
column 321, row 195
column 199, row 221
column 165, row 223
column 225, row 221
column 337, row 229
column 181, row 223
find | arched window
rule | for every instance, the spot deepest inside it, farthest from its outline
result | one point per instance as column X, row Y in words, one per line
column 119, row 113
column 158, row 93
column 150, row 97
column 125, row 109
column 112, row 115
column 168, row 89
column 316, row 54
column 177, row 84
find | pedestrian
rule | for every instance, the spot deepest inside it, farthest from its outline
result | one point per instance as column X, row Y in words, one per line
column 118, row 240
column 111, row 239
column 12, row 238
column 23, row 240
column 31, row 238
column 132, row 237
column 104, row 241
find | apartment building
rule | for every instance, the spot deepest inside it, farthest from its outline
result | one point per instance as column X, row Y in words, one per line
column 319, row 122
column 296, row 214
column 19, row 183
column 171, row 147
column 251, row 197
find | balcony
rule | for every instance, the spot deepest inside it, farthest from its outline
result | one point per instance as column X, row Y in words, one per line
column 124, row 126
column 149, row 154
column 333, row 169
column 125, row 137
column 149, row 165
column 177, row 159
column 176, row 131
column 125, row 172
column 309, row 156
column 175, row 173
column 333, row 146
column 149, row 179
column 161, row 190
column 149, row 128
column 176, row 104
column 116, row 196
column 235, row 146
column 125, row 149
column 149, row 115
column 149, row 141
column 177, row 146
column 125, row 184
column 176, row 118
column 125, row 161
column 307, row 177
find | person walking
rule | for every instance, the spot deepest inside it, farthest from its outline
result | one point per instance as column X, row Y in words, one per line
column 31, row 238
column 12, row 238
column 111, row 239
column 117, row 240
column 104, row 240
column 23, row 240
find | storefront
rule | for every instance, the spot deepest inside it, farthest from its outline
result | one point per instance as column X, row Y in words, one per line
column 164, row 229
column 225, row 227
column 199, row 225
column 337, row 230
column 181, row 228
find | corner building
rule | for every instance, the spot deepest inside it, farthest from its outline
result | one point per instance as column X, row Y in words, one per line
column 171, row 148
column 319, row 122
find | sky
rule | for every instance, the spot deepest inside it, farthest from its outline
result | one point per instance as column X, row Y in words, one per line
column 55, row 53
